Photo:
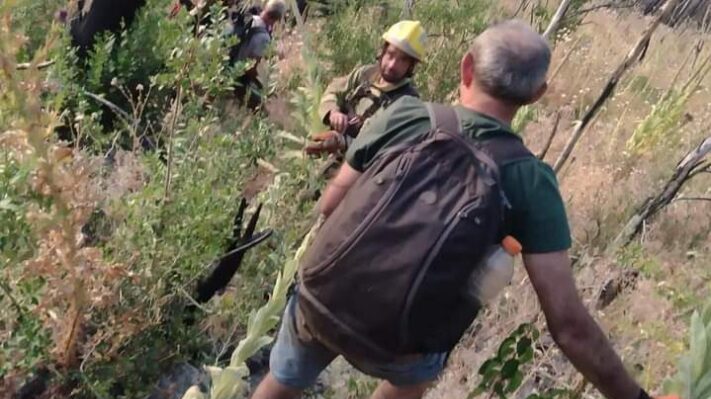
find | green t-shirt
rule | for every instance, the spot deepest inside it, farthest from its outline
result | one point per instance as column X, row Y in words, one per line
column 537, row 217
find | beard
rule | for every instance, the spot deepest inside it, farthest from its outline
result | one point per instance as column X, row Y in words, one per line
column 392, row 77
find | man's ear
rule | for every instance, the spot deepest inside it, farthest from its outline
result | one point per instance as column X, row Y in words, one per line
column 539, row 93
column 467, row 69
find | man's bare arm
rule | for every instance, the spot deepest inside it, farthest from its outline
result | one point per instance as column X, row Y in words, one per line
column 573, row 328
column 337, row 188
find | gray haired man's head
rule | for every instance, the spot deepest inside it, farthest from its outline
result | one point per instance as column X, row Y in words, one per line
column 511, row 61
column 275, row 9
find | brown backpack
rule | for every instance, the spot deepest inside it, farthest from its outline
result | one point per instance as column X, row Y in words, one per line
column 386, row 274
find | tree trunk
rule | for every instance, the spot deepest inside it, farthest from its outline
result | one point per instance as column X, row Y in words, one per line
column 556, row 20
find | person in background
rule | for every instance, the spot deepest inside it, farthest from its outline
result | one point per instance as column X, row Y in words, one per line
column 350, row 100
column 253, row 29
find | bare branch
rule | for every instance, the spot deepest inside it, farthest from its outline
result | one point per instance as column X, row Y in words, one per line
column 631, row 58
column 547, row 146
column 704, row 167
column 692, row 199
column 695, row 158
column 28, row 65
column 177, row 109
column 556, row 20
column 123, row 114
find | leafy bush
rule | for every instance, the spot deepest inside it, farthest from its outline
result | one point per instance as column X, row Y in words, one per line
column 100, row 255
column 503, row 373
column 150, row 60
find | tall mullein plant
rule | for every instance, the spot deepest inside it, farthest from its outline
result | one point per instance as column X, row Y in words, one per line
column 693, row 378
column 228, row 383
column 308, row 95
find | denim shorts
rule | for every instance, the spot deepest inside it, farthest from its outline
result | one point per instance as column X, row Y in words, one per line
column 297, row 364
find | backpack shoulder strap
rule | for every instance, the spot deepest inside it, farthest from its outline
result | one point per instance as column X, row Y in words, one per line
column 503, row 149
column 507, row 149
column 443, row 117
column 390, row 97
column 408, row 90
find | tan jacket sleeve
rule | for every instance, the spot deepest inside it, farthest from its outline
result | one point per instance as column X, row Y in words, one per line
column 338, row 86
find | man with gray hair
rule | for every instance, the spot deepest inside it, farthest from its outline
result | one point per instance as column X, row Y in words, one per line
column 349, row 293
column 253, row 29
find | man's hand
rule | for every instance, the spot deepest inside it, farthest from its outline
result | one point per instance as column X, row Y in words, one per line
column 573, row 329
column 326, row 142
column 338, row 121
column 338, row 188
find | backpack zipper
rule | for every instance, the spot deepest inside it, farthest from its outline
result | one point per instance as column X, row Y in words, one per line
column 451, row 224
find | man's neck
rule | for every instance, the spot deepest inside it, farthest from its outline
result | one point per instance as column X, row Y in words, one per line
column 265, row 18
column 489, row 106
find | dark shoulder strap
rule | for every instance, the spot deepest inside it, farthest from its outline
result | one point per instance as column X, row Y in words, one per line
column 506, row 149
column 409, row 90
column 404, row 90
column 444, row 117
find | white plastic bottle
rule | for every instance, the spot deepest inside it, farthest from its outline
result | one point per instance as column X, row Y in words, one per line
column 496, row 271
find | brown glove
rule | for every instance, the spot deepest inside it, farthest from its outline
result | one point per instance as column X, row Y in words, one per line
column 326, row 142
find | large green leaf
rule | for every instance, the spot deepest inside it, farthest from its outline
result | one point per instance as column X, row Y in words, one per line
column 507, row 347
column 514, row 382
column 488, row 365
column 510, row 369
column 523, row 345
column 702, row 388
column 698, row 347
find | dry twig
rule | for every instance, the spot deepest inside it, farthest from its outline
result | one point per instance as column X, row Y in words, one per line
column 547, row 146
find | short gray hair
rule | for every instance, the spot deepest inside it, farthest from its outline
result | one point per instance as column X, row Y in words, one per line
column 511, row 61
column 276, row 8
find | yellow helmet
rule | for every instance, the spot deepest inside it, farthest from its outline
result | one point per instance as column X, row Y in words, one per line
column 408, row 36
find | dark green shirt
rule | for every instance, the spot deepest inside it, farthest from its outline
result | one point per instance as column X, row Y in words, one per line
column 537, row 218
